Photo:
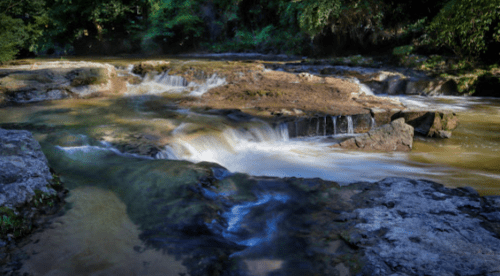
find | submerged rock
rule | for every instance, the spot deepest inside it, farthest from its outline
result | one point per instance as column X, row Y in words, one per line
column 396, row 136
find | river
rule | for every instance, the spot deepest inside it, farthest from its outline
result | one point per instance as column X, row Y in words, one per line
column 102, row 229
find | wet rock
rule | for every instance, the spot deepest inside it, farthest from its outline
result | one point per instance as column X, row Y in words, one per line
column 396, row 136
column 431, row 124
column 23, row 168
column 428, row 230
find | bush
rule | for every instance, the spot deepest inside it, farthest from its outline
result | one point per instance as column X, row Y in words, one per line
column 467, row 27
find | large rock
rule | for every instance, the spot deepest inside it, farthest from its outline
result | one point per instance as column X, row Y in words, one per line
column 23, row 168
column 417, row 227
column 57, row 80
column 431, row 124
column 396, row 136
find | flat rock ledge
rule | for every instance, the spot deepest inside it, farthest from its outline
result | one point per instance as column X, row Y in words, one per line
column 396, row 136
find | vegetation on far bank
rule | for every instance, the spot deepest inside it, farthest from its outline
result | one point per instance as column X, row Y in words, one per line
column 469, row 29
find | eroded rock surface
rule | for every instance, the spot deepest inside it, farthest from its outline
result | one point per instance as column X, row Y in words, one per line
column 23, row 168
column 396, row 136
column 417, row 227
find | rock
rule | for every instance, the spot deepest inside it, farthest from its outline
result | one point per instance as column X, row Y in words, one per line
column 151, row 65
column 431, row 124
column 419, row 227
column 23, row 168
column 396, row 136
column 57, row 80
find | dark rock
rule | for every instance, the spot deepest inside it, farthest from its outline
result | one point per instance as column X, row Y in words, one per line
column 434, row 237
column 152, row 65
column 23, row 168
column 396, row 136
column 431, row 124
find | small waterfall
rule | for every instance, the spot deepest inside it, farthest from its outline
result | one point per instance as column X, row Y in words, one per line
column 167, row 153
column 283, row 131
column 334, row 122
column 296, row 130
column 317, row 127
column 373, row 123
column 324, row 126
column 350, row 128
column 171, row 80
column 165, row 83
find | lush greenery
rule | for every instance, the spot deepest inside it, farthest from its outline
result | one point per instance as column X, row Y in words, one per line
column 467, row 28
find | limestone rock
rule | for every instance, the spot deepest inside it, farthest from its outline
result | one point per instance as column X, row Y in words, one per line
column 396, row 136
column 432, row 124
column 23, row 168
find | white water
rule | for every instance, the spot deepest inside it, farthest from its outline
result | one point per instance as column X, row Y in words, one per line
column 350, row 127
column 334, row 120
column 165, row 83
column 261, row 150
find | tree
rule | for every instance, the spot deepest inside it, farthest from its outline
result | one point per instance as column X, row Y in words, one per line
column 21, row 25
column 467, row 27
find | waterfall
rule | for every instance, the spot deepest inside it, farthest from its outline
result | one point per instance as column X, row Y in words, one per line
column 324, row 126
column 165, row 83
column 334, row 122
column 350, row 128
column 283, row 131
column 171, row 80
column 373, row 123
column 317, row 127
column 296, row 130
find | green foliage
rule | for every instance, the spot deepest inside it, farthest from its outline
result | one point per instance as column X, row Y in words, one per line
column 12, row 36
column 316, row 14
column 402, row 50
column 463, row 26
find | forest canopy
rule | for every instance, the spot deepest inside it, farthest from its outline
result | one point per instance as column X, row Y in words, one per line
column 467, row 28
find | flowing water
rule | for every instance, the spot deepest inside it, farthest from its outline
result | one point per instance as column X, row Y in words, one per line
column 117, row 217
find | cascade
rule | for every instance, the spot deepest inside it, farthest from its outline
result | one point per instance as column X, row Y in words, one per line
column 334, row 122
column 171, row 80
column 324, row 126
column 283, row 131
column 317, row 127
column 350, row 128
column 373, row 123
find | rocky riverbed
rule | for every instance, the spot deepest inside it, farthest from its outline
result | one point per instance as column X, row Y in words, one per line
column 117, row 155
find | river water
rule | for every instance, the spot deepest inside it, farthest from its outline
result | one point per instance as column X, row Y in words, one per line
column 103, row 230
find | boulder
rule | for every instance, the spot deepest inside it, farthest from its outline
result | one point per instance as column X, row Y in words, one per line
column 431, row 124
column 23, row 168
column 396, row 136
column 416, row 227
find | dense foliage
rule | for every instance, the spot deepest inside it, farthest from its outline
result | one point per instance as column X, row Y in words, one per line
column 464, row 27
column 467, row 27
